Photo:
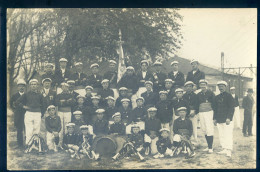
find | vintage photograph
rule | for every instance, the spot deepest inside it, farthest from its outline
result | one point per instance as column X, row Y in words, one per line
column 131, row 88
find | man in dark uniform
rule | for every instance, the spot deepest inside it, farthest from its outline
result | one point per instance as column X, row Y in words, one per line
column 248, row 103
column 125, row 111
column 62, row 74
column 122, row 95
column 48, row 94
column 100, row 126
column 195, row 75
column 72, row 88
column 79, row 77
column 18, row 112
column 129, row 80
column 144, row 75
column 49, row 73
column 111, row 75
column 95, row 78
column 88, row 100
column 176, row 76
column 223, row 115
column 118, row 126
column 170, row 89
column 150, row 97
column 158, row 77
column 90, row 116
column 179, row 101
column 110, row 109
column 104, row 92
column 139, row 113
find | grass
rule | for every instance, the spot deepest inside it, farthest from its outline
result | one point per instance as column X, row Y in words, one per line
column 244, row 156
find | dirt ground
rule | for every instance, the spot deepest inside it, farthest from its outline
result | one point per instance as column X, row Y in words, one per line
column 244, row 156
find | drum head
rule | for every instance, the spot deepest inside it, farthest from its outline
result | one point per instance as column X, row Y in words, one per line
column 105, row 146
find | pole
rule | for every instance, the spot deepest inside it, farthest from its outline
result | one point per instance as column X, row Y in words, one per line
column 239, row 80
column 222, row 65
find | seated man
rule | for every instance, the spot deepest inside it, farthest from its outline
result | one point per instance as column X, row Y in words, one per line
column 164, row 144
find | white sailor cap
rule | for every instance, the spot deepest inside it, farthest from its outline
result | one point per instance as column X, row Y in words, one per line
column 70, row 124
column 116, row 114
column 174, row 62
column 88, row 87
column 100, row 110
column 164, row 129
column 179, row 90
column 71, row 82
column 125, row 100
column 84, row 127
column 33, row 80
column 168, row 80
column 46, row 79
column 123, row 89
column 188, row 83
column 95, row 97
column 63, row 60
column 78, row 63
column 94, row 65
column 130, row 68
column 21, row 82
column 152, row 109
column 49, row 64
column 64, row 84
column 203, row 81
column 112, row 61
column 157, row 63
column 104, row 80
column 148, row 82
column 232, row 88
column 181, row 109
column 144, row 61
column 51, row 107
column 135, row 126
column 194, row 60
column 163, row 92
column 110, row 98
column 222, row 83
column 80, row 96
column 77, row 112
column 140, row 98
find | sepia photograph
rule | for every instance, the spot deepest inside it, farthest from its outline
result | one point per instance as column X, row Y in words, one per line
column 131, row 88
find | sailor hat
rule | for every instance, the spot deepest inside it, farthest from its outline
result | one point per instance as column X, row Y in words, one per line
column 174, row 62
column 77, row 112
column 94, row 65
column 46, row 79
column 33, row 80
column 222, row 83
column 100, row 110
column 63, row 60
column 116, row 114
column 179, row 90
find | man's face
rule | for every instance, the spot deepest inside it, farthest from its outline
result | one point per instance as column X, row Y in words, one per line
column 100, row 116
column 189, row 88
column 152, row 114
column 203, row 86
column 46, row 84
column 51, row 112
column 168, row 85
column 70, row 130
column 222, row 88
column 250, row 94
column 77, row 117
column 136, row 130
column 144, row 66
column 129, row 93
column 123, row 93
column 175, row 67
column 65, row 88
column 88, row 91
column 182, row 113
column 79, row 68
column 148, row 87
column 95, row 102
column 139, row 103
column 94, row 70
column 130, row 72
column 125, row 104
column 21, row 88
column 110, row 102
column 80, row 101
column 157, row 68
column 48, row 68
column 164, row 134
column 233, row 91
column 194, row 65
column 117, row 119
column 63, row 65
column 112, row 67
column 84, row 131
column 153, row 134
column 71, row 86
column 163, row 96
column 105, row 85
column 179, row 94
column 33, row 86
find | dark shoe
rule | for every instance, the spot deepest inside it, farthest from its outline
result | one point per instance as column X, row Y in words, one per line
column 245, row 135
column 250, row 134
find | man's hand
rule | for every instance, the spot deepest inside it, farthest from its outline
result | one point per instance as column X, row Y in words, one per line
column 227, row 121
column 62, row 101
column 26, row 107
column 215, row 122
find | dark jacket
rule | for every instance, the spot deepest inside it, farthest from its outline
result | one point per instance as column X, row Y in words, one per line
column 53, row 124
column 78, row 123
column 177, row 103
column 104, row 94
column 192, row 99
column 68, row 104
column 119, row 103
column 49, row 75
column 236, row 103
column 150, row 99
column 159, row 79
column 138, row 114
column 141, row 80
column 136, row 139
column 163, row 144
column 59, row 78
column 171, row 93
column 80, row 79
column 100, row 127
column 112, row 77
column 118, row 128
column 70, row 139
column 110, row 111
column 18, row 110
column 125, row 114
column 95, row 82
column 178, row 79
column 164, row 111
column 129, row 82
column 247, row 104
column 224, row 107
column 183, row 127
column 152, row 125
column 208, row 96
column 198, row 75
column 88, row 101
column 90, row 115
column 49, row 98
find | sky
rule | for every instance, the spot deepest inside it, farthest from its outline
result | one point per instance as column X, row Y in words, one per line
column 208, row 32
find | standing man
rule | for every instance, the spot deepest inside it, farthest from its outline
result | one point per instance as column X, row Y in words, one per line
column 18, row 112
column 104, row 92
column 223, row 115
column 72, row 88
column 176, row 75
column 144, row 74
column 33, row 103
column 79, row 77
column 111, row 74
column 48, row 94
column 237, row 111
column 206, row 99
column 247, row 104
column 49, row 73
column 158, row 77
column 62, row 74
column 195, row 75
column 95, row 78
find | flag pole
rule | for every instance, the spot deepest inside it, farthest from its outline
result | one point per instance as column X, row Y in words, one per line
column 121, row 63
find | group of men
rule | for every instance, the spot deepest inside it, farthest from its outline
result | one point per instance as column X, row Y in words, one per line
column 138, row 92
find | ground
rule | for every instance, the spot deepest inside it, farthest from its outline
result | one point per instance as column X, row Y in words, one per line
column 244, row 156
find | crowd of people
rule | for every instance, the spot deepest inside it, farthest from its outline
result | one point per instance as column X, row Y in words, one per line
column 146, row 113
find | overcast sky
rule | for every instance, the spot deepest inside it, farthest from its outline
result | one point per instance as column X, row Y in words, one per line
column 208, row 32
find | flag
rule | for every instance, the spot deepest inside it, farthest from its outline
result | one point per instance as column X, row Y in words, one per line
column 121, row 62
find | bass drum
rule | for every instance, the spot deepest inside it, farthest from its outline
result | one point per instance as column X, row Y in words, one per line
column 108, row 146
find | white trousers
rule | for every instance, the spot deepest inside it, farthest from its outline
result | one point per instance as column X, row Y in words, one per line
column 206, row 123
column 65, row 118
column 194, row 121
column 236, row 117
column 32, row 122
column 226, row 135
column 50, row 140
